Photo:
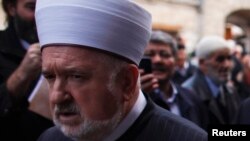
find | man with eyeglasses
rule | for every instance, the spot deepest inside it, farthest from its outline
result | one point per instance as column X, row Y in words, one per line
column 210, row 82
column 159, row 85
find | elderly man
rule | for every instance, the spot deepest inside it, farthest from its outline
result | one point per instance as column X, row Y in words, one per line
column 210, row 81
column 90, row 55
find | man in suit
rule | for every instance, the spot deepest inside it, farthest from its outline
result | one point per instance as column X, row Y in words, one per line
column 20, row 66
column 184, row 68
column 90, row 55
column 210, row 81
column 167, row 94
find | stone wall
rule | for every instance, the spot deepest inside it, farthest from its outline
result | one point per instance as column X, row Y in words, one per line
column 193, row 23
column 211, row 20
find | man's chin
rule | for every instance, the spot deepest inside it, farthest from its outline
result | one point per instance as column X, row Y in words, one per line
column 89, row 129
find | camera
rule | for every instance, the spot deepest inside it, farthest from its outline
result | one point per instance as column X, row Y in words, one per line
column 146, row 65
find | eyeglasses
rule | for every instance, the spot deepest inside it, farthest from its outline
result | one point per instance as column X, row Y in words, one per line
column 162, row 54
column 222, row 58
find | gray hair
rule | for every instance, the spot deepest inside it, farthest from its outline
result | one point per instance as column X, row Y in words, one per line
column 161, row 37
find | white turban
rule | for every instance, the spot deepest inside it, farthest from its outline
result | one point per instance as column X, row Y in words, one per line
column 117, row 26
column 210, row 44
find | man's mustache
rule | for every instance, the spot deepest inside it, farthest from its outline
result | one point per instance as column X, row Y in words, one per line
column 159, row 68
column 66, row 108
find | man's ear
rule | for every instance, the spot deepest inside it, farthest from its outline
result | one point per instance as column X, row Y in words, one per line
column 201, row 61
column 128, row 78
column 202, row 65
column 11, row 9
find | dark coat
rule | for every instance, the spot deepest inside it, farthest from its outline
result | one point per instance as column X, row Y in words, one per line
column 191, row 107
column 154, row 124
column 199, row 86
column 16, row 121
column 178, row 78
column 243, row 116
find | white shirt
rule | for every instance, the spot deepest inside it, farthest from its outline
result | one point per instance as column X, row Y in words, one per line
column 135, row 112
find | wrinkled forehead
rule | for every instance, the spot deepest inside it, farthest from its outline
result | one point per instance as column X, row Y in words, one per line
column 69, row 58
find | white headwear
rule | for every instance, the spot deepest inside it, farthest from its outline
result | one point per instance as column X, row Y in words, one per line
column 210, row 44
column 117, row 26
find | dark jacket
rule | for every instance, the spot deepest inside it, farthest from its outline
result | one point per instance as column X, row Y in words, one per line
column 199, row 86
column 16, row 121
column 243, row 116
column 178, row 78
column 191, row 107
column 154, row 124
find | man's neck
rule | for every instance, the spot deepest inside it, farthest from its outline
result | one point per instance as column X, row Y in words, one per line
column 165, row 86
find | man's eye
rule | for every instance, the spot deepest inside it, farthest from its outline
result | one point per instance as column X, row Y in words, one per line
column 49, row 76
column 149, row 54
column 76, row 76
column 165, row 54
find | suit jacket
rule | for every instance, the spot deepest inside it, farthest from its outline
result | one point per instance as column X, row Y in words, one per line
column 154, row 123
column 199, row 86
column 191, row 107
column 16, row 121
column 178, row 78
column 243, row 116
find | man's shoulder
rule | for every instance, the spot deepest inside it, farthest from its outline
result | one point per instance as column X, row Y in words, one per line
column 5, row 36
column 197, row 80
column 53, row 134
column 169, row 125
column 170, row 119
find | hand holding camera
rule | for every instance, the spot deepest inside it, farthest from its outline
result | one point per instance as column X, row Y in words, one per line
column 148, row 81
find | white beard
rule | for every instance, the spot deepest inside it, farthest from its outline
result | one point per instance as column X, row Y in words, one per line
column 90, row 129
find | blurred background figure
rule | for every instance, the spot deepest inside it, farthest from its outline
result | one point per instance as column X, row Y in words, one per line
column 210, row 81
column 184, row 68
column 20, row 66
column 243, row 78
column 241, row 71
column 243, row 116
column 159, row 86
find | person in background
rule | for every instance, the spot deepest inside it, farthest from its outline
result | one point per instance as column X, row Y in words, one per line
column 184, row 69
column 159, row 85
column 93, row 76
column 243, row 115
column 241, row 72
column 210, row 81
column 20, row 67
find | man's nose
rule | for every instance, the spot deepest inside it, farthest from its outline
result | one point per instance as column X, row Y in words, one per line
column 59, row 92
column 156, row 58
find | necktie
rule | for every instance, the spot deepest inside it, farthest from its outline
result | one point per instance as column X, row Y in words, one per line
column 222, row 95
column 221, row 99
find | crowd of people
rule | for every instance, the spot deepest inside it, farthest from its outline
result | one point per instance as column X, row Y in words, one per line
column 89, row 53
